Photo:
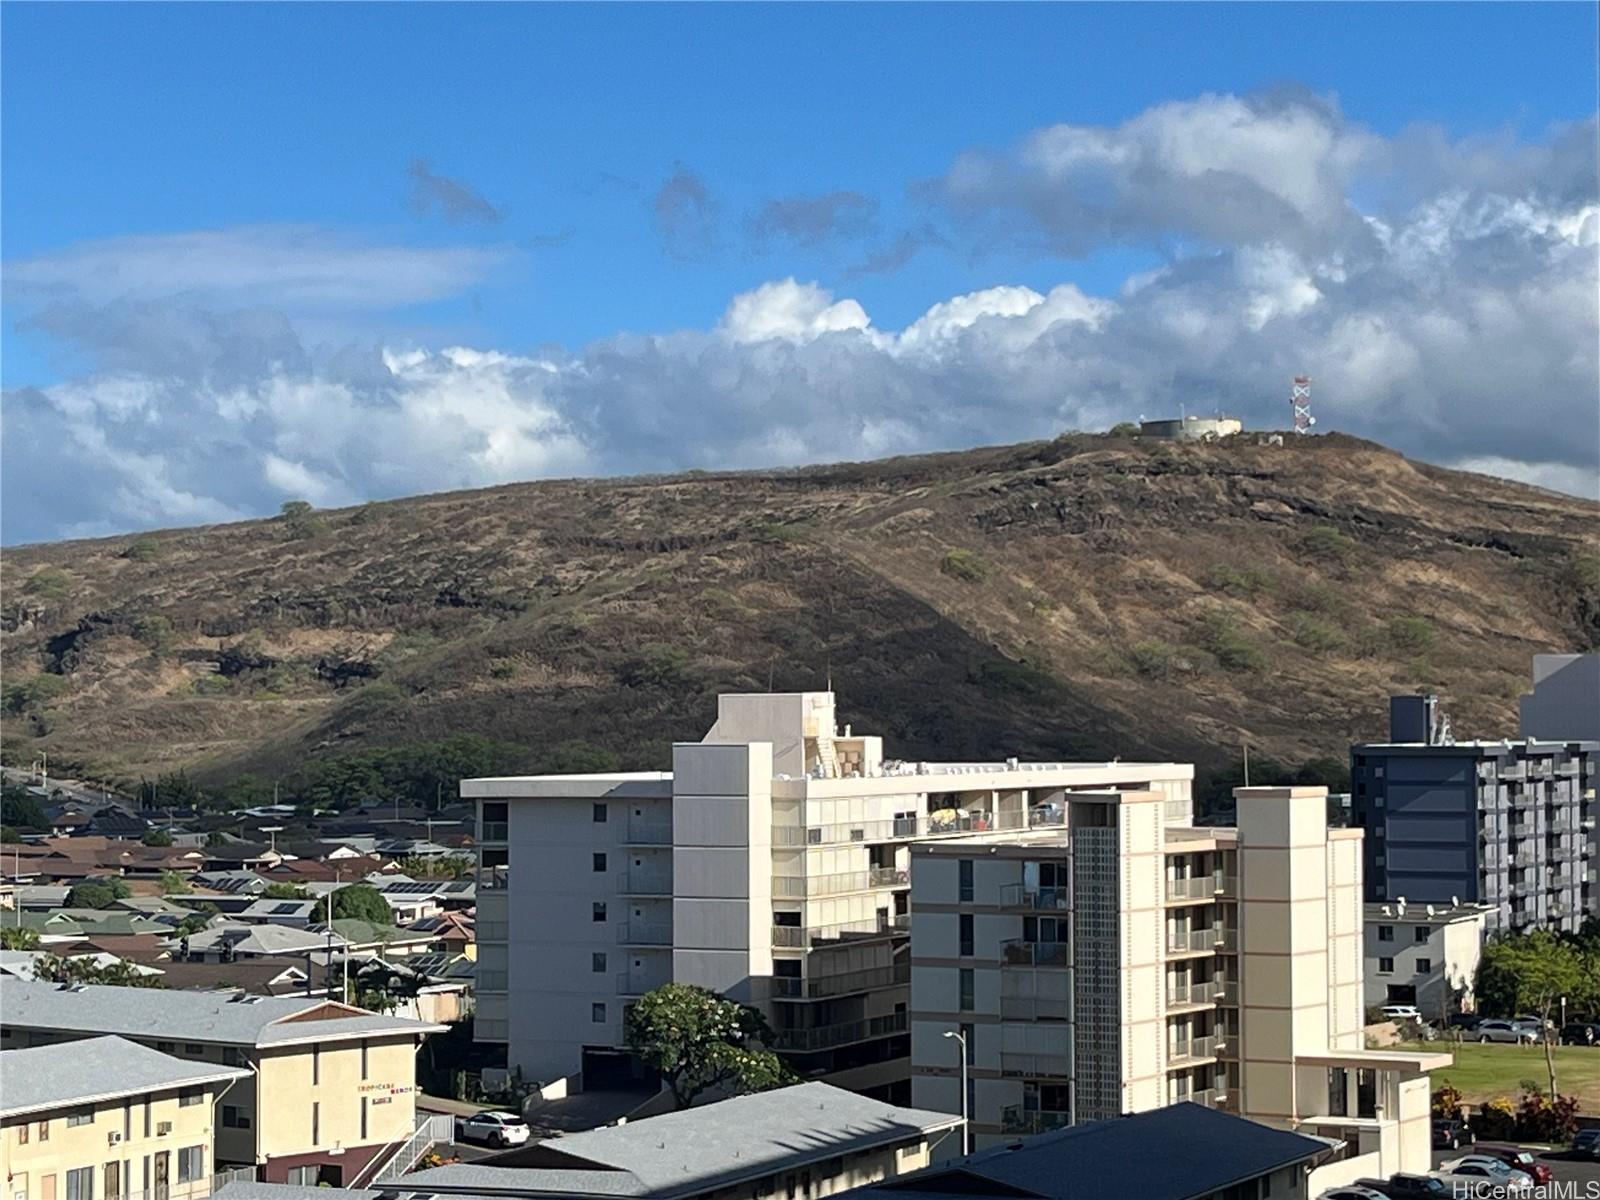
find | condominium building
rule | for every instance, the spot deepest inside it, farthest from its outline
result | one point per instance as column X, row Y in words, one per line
column 108, row 1118
column 771, row 865
column 1423, row 954
column 1122, row 961
column 328, row 1087
column 1506, row 824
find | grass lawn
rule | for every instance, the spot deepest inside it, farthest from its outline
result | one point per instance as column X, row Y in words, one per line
column 1483, row 1071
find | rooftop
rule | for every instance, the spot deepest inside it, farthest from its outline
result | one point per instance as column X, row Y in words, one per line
column 1201, row 1152
column 101, row 1068
column 694, row 1150
column 192, row 1016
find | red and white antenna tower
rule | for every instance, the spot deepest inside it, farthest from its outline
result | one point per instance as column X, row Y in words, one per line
column 1300, row 401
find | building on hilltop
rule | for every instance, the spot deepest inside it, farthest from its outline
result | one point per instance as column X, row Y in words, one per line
column 1191, row 429
column 1506, row 824
column 772, row 865
column 1121, row 962
column 108, row 1117
column 330, row 1087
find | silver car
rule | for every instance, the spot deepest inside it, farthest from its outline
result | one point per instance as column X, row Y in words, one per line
column 1468, row 1174
column 1516, row 1032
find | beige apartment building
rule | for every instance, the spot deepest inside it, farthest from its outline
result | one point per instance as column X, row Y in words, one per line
column 327, row 1089
column 1124, row 960
column 771, row 864
column 108, row 1119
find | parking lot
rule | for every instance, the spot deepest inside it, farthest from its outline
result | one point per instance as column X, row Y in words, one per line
column 1575, row 1179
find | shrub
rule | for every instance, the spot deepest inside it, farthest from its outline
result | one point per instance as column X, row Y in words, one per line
column 657, row 665
column 1240, row 581
column 32, row 693
column 297, row 517
column 48, row 585
column 502, row 671
column 1327, row 543
column 1496, row 1120
column 1411, row 635
column 1447, row 1102
column 1218, row 634
column 1005, row 677
column 1153, row 660
column 1125, row 429
column 1317, row 636
column 1543, row 1119
column 212, row 685
column 1318, row 598
column 964, row 565
column 154, row 631
column 143, row 549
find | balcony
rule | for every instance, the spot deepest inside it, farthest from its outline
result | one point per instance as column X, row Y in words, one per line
column 804, row 886
column 895, row 829
column 1200, row 888
column 827, row 1037
column 645, row 933
column 1020, row 953
column 1036, row 899
column 648, row 831
column 1205, row 992
column 1211, row 1097
column 1197, row 941
column 1190, row 1050
column 1015, row 1118
column 492, row 831
column 1035, row 1008
column 651, row 879
column 798, row 937
column 493, row 879
column 1035, row 1066
column 819, row 986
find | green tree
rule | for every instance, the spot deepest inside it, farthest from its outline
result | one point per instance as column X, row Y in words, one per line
column 298, row 518
column 20, row 808
column 173, row 884
column 1125, row 429
column 33, row 693
column 439, row 866
column 286, row 891
column 97, row 893
column 172, row 790
column 17, row 937
column 1544, row 968
column 363, row 902
column 204, row 910
column 56, row 969
column 157, row 837
column 699, row 1040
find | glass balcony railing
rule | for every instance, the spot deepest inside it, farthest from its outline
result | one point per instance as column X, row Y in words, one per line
column 802, row 886
column 843, row 984
column 800, row 937
column 1016, row 1119
column 1191, row 1049
column 828, row 1036
column 1020, row 953
column 1193, row 941
column 649, row 831
column 492, row 831
column 1039, row 899
column 1035, row 1066
column 1035, row 1008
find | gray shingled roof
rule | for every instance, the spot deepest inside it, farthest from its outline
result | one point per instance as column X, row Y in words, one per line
column 102, row 1068
column 257, row 939
column 699, row 1148
column 189, row 1016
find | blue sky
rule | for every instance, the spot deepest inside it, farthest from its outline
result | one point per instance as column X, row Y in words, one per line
column 561, row 129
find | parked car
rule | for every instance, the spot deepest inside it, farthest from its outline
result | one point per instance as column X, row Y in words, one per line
column 495, row 1129
column 1451, row 1134
column 1401, row 1012
column 1586, row 1144
column 1352, row 1191
column 1519, row 1159
column 1464, row 1176
column 1464, row 1021
column 1506, row 1031
column 1411, row 1187
column 1581, row 1033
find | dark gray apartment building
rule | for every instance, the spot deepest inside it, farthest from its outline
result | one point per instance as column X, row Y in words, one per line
column 1507, row 824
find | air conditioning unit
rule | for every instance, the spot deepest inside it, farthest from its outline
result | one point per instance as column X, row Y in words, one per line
column 113, row 1138
column 163, row 1128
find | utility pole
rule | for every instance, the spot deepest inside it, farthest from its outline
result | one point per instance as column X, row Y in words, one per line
column 1246, row 746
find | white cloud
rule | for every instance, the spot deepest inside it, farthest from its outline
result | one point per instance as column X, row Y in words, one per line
column 1555, row 477
column 790, row 311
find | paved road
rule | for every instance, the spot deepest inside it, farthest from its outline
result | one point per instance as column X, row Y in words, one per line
column 75, row 790
column 1579, row 1179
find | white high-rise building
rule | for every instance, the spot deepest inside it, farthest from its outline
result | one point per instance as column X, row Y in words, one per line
column 772, row 864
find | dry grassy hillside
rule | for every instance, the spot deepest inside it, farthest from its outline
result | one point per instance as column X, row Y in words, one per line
column 1090, row 596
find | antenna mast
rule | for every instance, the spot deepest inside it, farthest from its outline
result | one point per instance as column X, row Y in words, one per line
column 1300, row 402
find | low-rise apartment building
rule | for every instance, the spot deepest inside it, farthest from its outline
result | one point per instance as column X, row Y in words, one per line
column 105, row 1118
column 329, row 1087
column 1423, row 954
column 771, row 865
column 1507, row 824
column 1122, row 961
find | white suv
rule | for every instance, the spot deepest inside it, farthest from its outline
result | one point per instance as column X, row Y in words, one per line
column 1401, row 1012
column 495, row 1129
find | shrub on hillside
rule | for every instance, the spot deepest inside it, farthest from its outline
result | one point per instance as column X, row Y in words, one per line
column 1411, row 635
column 1217, row 633
column 1317, row 636
column 143, row 549
column 1328, row 544
column 964, row 565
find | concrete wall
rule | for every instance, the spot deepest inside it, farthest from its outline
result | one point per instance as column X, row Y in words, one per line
column 36, row 1169
column 1564, row 705
column 331, row 1077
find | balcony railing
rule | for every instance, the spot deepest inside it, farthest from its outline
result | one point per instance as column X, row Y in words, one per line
column 842, row 984
column 1016, row 1119
column 799, row 937
column 493, row 879
column 1193, row 1048
column 1194, row 941
column 653, row 880
column 1198, row 887
column 1039, row 899
column 1210, row 1097
column 802, row 886
column 1035, row 1066
column 649, row 831
column 1208, row 991
column 828, row 1036
column 1036, row 1008
column 645, row 933
column 492, row 831
column 1020, row 953
column 894, row 829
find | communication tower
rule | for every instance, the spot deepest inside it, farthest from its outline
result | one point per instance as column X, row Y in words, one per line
column 1300, row 401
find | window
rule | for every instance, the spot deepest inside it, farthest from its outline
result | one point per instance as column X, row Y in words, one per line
column 364, row 1058
column 1424, row 966
column 1338, row 1092
column 191, row 1163
column 80, row 1116
column 147, row 1118
column 599, row 814
column 1386, row 966
column 22, row 1133
column 599, row 862
column 1386, row 933
column 304, row 1176
column 598, row 964
column 966, row 935
column 363, row 1118
column 234, row 1117
column 316, row 1066
column 599, row 910
column 44, row 1130
column 597, row 1013
column 316, row 1122
column 80, row 1184
column 1366, row 1093
column 166, row 1047
column 966, row 990
column 193, row 1048
column 1419, row 934
column 190, row 1096
column 965, row 866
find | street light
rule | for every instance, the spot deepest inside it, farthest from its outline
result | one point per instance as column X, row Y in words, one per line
column 966, row 1129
